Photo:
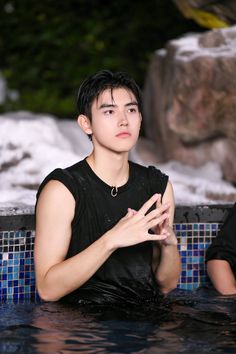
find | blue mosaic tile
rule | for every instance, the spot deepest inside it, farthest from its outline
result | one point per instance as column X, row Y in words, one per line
column 17, row 278
column 193, row 255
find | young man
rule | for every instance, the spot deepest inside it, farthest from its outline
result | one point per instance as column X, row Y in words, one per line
column 104, row 225
column 221, row 257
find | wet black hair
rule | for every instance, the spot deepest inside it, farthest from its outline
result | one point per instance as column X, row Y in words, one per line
column 97, row 83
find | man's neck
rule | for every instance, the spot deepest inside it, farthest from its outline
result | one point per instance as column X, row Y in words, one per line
column 113, row 168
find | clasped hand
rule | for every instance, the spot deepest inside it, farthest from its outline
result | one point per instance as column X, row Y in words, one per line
column 134, row 227
column 163, row 228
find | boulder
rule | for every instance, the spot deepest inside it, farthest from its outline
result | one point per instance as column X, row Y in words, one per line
column 190, row 100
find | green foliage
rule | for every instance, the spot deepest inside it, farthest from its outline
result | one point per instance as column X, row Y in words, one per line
column 48, row 47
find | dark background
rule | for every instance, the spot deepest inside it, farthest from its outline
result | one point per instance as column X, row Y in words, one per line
column 48, row 47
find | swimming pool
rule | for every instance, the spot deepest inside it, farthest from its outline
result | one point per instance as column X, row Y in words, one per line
column 192, row 319
column 189, row 322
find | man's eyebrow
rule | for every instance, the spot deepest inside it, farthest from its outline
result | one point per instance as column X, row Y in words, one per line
column 133, row 103
column 107, row 105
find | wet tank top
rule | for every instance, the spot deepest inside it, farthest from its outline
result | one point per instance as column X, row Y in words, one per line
column 127, row 274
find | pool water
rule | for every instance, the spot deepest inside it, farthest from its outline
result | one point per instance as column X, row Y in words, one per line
column 185, row 322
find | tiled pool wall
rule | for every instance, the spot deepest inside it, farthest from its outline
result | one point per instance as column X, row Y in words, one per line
column 195, row 228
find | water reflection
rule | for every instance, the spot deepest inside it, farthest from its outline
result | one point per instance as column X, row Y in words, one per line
column 100, row 330
column 64, row 328
column 196, row 322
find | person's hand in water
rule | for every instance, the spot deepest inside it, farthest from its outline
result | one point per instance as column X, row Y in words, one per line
column 134, row 227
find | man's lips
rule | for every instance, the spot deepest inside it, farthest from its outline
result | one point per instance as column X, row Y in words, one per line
column 123, row 135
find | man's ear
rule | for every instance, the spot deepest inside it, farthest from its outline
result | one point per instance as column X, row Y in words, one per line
column 85, row 124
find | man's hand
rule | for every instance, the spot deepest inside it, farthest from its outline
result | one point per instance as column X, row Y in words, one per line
column 165, row 228
column 134, row 227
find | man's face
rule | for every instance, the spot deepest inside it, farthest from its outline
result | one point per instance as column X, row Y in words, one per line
column 116, row 120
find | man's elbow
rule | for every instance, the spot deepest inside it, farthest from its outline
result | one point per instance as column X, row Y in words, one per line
column 226, row 291
column 47, row 295
column 167, row 283
column 166, row 289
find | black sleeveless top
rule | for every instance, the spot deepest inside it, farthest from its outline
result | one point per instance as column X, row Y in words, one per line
column 127, row 274
column 224, row 245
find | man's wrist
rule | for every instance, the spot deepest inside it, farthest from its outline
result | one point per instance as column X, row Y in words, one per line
column 170, row 244
column 108, row 242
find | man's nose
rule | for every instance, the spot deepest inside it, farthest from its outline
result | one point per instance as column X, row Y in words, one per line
column 123, row 121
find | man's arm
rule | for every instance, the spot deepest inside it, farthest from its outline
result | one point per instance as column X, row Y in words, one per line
column 167, row 262
column 57, row 276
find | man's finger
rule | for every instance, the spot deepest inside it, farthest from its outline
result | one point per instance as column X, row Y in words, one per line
column 157, row 221
column 156, row 237
column 158, row 203
column 157, row 212
column 147, row 205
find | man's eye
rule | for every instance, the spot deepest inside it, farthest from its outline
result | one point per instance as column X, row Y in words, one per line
column 132, row 110
column 108, row 112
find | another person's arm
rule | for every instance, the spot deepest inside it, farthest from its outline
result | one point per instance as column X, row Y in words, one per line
column 221, row 256
column 222, row 277
column 57, row 276
column 167, row 262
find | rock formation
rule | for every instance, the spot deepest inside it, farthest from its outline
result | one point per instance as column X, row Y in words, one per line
column 190, row 100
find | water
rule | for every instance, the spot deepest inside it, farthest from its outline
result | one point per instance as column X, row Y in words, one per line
column 187, row 322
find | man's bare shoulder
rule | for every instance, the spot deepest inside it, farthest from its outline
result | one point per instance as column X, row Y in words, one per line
column 55, row 194
column 55, row 187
